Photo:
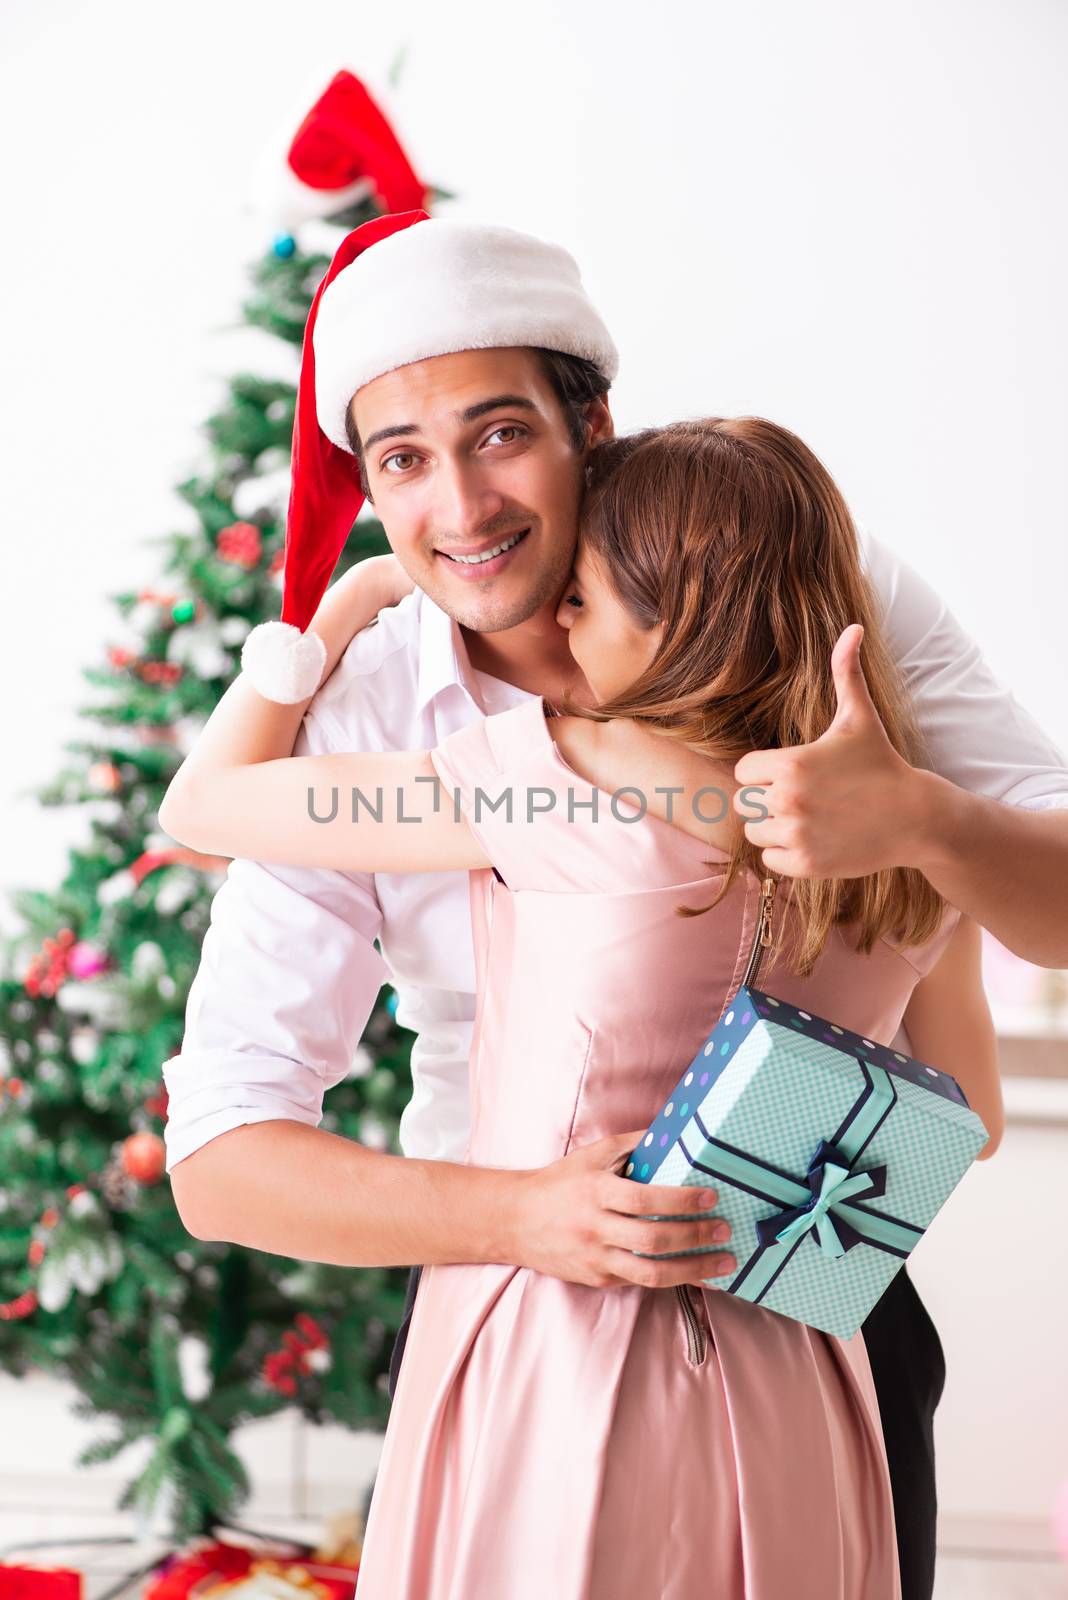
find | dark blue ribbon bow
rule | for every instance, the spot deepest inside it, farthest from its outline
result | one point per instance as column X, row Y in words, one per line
column 833, row 1186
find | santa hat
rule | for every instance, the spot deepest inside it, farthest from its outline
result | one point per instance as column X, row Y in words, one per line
column 456, row 286
column 344, row 151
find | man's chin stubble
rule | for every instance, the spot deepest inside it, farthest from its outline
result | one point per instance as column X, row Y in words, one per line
column 488, row 618
column 485, row 615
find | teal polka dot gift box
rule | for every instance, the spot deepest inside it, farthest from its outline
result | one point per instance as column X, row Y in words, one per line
column 831, row 1154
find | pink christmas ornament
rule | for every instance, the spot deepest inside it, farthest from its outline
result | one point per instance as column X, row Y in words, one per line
column 86, row 960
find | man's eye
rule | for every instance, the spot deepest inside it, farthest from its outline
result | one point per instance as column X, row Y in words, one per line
column 508, row 427
column 399, row 455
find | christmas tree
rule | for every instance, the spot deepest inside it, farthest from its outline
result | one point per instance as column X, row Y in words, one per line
column 166, row 1338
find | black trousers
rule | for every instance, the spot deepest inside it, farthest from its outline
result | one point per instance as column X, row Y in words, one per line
column 909, row 1369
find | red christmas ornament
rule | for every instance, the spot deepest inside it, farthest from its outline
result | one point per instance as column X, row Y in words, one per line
column 144, row 1157
column 49, row 967
column 105, row 777
column 23, row 1305
column 48, row 1219
column 156, row 1103
column 165, row 672
column 240, row 544
column 277, row 1373
column 118, row 657
column 302, row 1353
column 313, row 1336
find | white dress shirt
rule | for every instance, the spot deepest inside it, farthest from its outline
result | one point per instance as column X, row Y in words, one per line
column 289, row 970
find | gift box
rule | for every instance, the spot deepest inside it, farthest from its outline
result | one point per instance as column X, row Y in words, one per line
column 831, row 1155
column 20, row 1582
column 208, row 1569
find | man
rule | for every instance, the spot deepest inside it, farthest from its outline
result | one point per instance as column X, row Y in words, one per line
column 467, row 372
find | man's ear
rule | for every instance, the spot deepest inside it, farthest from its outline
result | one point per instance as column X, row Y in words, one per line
column 599, row 423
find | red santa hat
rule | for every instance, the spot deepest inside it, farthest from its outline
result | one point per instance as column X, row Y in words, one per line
column 456, row 285
column 344, row 151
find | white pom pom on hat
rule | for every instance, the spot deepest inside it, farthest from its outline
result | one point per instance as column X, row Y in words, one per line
column 401, row 288
column 282, row 663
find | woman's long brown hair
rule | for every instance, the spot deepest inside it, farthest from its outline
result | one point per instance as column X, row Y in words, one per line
column 732, row 532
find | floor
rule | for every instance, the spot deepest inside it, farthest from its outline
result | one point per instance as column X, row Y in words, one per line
column 960, row 1576
column 304, row 1476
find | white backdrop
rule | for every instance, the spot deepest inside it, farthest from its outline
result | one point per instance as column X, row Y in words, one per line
column 845, row 218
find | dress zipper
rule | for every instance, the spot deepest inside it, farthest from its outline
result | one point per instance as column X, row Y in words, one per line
column 696, row 1332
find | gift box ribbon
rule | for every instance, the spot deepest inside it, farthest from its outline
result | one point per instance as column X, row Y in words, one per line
column 827, row 1204
column 832, row 1184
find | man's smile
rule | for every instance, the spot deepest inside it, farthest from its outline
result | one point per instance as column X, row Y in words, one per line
column 483, row 561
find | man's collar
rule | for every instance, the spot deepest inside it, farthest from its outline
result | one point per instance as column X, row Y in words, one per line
column 443, row 658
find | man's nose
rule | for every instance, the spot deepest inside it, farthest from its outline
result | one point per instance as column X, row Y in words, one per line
column 465, row 500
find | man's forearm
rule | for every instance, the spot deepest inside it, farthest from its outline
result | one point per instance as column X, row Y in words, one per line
column 293, row 1190
column 1002, row 865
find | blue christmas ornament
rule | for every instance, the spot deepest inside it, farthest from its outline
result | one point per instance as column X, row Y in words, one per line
column 284, row 245
column 391, row 1002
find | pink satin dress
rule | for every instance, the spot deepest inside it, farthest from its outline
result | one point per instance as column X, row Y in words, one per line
column 556, row 1441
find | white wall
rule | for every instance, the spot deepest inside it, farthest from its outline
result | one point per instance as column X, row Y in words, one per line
column 843, row 217
column 848, row 218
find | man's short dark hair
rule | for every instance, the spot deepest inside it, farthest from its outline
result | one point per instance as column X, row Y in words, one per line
column 574, row 381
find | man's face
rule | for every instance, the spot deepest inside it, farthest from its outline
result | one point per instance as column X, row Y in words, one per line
column 463, row 454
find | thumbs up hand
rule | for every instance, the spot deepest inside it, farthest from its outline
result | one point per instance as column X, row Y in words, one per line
column 843, row 806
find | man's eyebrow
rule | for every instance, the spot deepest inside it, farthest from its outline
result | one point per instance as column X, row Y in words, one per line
column 395, row 432
column 471, row 414
column 499, row 400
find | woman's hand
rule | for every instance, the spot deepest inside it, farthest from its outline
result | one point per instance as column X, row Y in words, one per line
column 395, row 581
column 246, row 729
column 354, row 601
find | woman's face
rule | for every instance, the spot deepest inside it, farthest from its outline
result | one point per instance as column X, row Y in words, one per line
column 605, row 640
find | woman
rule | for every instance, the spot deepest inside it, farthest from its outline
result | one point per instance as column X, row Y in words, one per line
column 592, row 1439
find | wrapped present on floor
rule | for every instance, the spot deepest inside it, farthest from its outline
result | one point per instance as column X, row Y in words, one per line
column 209, row 1569
column 19, row 1582
column 830, row 1154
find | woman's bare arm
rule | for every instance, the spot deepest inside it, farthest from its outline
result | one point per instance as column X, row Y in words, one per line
column 245, row 727
column 240, row 786
column 949, row 1026
column 367, row 811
